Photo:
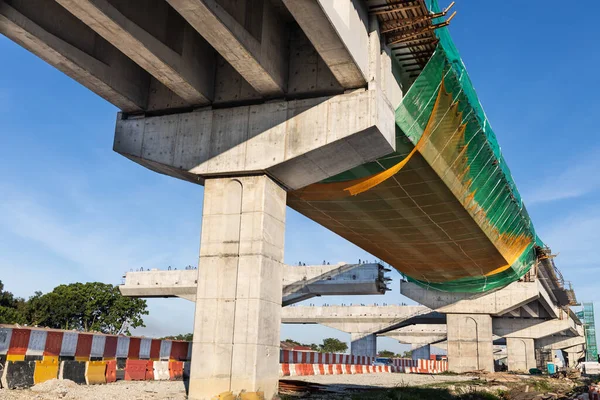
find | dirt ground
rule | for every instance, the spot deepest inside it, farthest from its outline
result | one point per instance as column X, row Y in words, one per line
column 337, row 387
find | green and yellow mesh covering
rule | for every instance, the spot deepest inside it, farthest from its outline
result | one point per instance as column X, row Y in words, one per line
column 443, row 209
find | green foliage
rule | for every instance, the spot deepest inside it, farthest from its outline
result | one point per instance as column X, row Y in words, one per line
column 11, row 307
column 416, row 393
column 386, row 353
column 92, row 306
column 333, row 345
column 187, row 337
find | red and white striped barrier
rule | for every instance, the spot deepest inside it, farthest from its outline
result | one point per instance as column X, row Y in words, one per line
column 409, row 366
column 311, row 357
column 331, row 369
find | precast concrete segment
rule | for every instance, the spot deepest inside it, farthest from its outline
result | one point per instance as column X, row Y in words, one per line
column 532, row 328
column 238, row 302
column 559, row 342
column 251, row 36
column 492, row 303
column 51, row 33
column 352, row 319
column 470, row 343
column 300, row 282
column 338, row 30
column 520, row 354
column 190, row 74
column 296, row 142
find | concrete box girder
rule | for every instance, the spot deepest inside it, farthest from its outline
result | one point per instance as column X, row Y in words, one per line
column 261, row 60
column 338, row 30
column 492, row 303
column 419, row 334
column 189, row 74
column 296, row 142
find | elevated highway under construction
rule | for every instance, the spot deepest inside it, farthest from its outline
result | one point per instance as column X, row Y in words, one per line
column 360, row 115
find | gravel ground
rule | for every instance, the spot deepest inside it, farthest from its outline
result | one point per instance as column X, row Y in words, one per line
column 382, row 380
column 121, row 390
column 124, row 390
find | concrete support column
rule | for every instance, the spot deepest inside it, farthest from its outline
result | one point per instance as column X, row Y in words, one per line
column 470, row 342
column 574, row 354
column 238, row 301
column 362, row 345
column 420, row 352
column 521, row 354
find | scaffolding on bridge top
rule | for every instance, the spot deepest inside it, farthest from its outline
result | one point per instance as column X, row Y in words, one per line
column 586, row 315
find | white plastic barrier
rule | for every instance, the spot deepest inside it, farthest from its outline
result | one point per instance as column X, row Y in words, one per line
column 161, row 371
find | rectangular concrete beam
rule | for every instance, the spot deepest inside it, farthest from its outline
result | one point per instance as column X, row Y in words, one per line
column 188, row 74
column 492, row 303
column 560, row 342
column 295, row 142
column 352, row 319
column 532, row 328
column 338, row 30
column 251, row 36
column 326, row 280
column 42, row 27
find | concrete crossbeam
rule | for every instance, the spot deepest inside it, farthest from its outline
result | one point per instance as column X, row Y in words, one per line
column 496, row 302
column 560, row 342
column 338, row 30
column 296, row 142
column 251, row 36
column 299, row 282
column 532, row 328
column 352, row 319
column 188, row 74
column 60, row 39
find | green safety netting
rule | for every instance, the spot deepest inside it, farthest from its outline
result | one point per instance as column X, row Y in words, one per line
column 443, row 209
column 586, row 315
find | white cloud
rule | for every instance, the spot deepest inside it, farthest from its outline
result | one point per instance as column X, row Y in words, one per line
column 578, row 178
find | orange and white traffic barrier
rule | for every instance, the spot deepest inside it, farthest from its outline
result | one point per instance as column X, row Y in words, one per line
column 311, row 357
column 298, row 369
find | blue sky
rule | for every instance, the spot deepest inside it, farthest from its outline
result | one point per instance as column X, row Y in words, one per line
column 73, row 210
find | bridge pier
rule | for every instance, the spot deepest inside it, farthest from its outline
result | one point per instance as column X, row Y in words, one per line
column 470, row 342
column 363, row 345
column 521, row 354
column 238, row 299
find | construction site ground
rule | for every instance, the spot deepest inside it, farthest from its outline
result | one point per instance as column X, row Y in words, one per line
column 499, row 386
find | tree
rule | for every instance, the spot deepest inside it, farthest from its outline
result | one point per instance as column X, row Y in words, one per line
column 333, row 345
column 11, row 307
column 386, row 353
column 407, row 354
column 92, row 306
column 187, row 337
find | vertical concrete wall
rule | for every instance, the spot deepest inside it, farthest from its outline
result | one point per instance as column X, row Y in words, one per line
column 470, row 342
column 420, row 352
column 238, row 302
column 521, row 354
column 362, row 345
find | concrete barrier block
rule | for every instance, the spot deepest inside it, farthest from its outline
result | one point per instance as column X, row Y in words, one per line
column 161, row 370
column 176, row 370
column 18, row 374
column 73, row 370
column 95, row 372
column 111, row 371
column 45, row 370
column 135, row 370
